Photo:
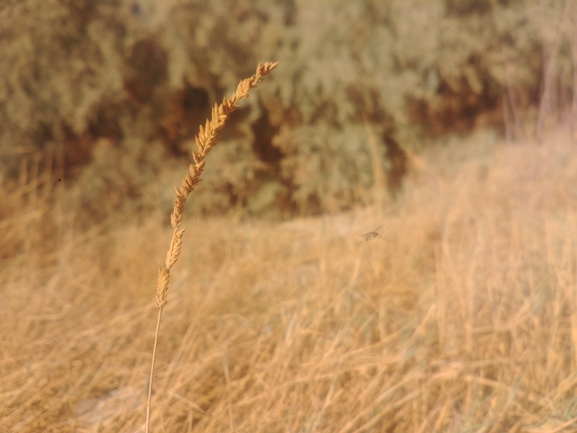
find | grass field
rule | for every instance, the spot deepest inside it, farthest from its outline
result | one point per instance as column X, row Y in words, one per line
column 463, row 320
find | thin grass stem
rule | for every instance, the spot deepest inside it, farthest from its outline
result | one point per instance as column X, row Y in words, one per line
column 148, row 404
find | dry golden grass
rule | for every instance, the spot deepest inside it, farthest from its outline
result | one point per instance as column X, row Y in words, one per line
column 206, row 139
column 465, row 321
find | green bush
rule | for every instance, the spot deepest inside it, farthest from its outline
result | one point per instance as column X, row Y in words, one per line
column 148, row 72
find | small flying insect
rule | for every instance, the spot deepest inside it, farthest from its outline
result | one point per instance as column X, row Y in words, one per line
column 372, row 235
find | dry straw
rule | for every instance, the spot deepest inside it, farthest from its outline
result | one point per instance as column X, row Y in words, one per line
column 205, row 141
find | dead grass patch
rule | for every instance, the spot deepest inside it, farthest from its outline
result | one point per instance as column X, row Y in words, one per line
column 465, row 321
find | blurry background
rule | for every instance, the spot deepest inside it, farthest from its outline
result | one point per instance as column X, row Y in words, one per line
column 110, row 93
column 448, row 124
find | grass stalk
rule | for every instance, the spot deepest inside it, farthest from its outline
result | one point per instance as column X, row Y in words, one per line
column 206, row 139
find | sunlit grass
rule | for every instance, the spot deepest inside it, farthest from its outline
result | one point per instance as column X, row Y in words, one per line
column 463, row 319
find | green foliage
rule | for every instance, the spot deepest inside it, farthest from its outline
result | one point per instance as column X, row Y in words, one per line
column 148, row 71
column 328, row 170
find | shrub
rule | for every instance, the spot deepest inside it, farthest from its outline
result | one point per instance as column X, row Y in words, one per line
column 144, row 73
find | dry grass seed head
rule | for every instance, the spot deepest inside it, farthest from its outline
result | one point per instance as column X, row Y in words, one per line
column 206, row 139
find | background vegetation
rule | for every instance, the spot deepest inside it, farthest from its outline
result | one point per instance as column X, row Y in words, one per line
column 124, row 85
column 463, row 320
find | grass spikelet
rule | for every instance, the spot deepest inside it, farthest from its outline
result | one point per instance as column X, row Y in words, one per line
column 206, row 139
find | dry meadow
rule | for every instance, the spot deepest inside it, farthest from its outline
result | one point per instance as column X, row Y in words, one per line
column 347, row 266
column 463, row 319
